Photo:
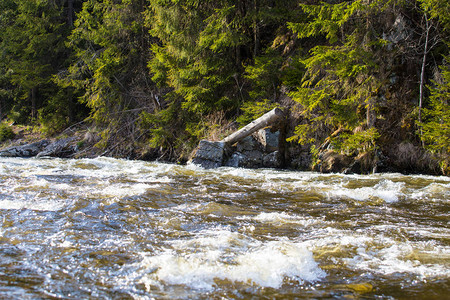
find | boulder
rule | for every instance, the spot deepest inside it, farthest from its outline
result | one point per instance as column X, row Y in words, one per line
column 268, row 139
column 246, row 159
column 209, row 154
column 235, row 160
column 272, row 160
column 247, row 144
column 28, row 150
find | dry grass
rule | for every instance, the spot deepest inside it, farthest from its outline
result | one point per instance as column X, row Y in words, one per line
column 411, row 157
column 219, row 127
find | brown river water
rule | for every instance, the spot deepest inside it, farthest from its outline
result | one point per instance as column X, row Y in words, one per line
column 115, row 229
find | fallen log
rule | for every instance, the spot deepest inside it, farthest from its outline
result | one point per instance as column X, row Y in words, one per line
column 210, row 154
column 267, row 119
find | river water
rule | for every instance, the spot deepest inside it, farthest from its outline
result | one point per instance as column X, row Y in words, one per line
column 116, row 229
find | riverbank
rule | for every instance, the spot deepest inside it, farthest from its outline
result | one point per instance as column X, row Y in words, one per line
column 82, row 141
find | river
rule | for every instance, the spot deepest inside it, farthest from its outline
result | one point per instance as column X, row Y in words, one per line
column 115, row 229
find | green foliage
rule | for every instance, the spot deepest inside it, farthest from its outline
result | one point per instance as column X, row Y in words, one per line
column 265, row 75
column 438, row 9
column 254, row 110
column 342, row 76
column 111, row 46
column 303, row 132
column 6, row 132
column 196, row 56
column 355, row 143
column 32, row 39
column 436, row 126
column 6, row 90
column 171, row 71
column 214, row 57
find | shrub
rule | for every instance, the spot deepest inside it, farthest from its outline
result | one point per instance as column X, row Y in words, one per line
column 6, row 132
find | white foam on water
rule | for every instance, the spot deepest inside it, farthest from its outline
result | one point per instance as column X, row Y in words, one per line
column 40, row 205
column 328, row 185
column 11, row 204
column 386, row 190
column 225, row 255
column 395, row 259
column 124, row 190
column 380, row 254
column 433, row 192
column 284, row 218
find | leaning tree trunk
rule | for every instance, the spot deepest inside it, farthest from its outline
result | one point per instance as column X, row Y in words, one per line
column 422, row 72
column 269, row 118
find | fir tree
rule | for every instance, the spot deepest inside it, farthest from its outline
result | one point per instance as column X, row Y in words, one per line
column 32, row 43
column 111, row 47
column 435, row 126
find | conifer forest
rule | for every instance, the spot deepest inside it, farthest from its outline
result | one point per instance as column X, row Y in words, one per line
column 151, row 78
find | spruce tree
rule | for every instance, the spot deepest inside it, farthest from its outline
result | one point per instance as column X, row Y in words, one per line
column 435, row 125
column 206, row 54
column 32, row 43
column 111, row 45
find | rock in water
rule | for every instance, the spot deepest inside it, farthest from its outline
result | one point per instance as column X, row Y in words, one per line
column 209, row 154
column 28, row 150
column 272, row 160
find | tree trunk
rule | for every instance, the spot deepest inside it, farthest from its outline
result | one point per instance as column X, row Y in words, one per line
column 271, row 117
column 370, row 113
column 33, row 103
column 422, row 75
column 422, row 72
column 255, row 30
column 70, row 12
column 71, row 106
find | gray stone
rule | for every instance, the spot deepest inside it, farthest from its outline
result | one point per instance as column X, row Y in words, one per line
column 333, row 162
column 209, row 154
column 268, row 139
column 251, row 159
column 235, row 160
column 272, row 160
column 247, row 144
column 28, row 150
column 246, row 159
column 399, row 32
